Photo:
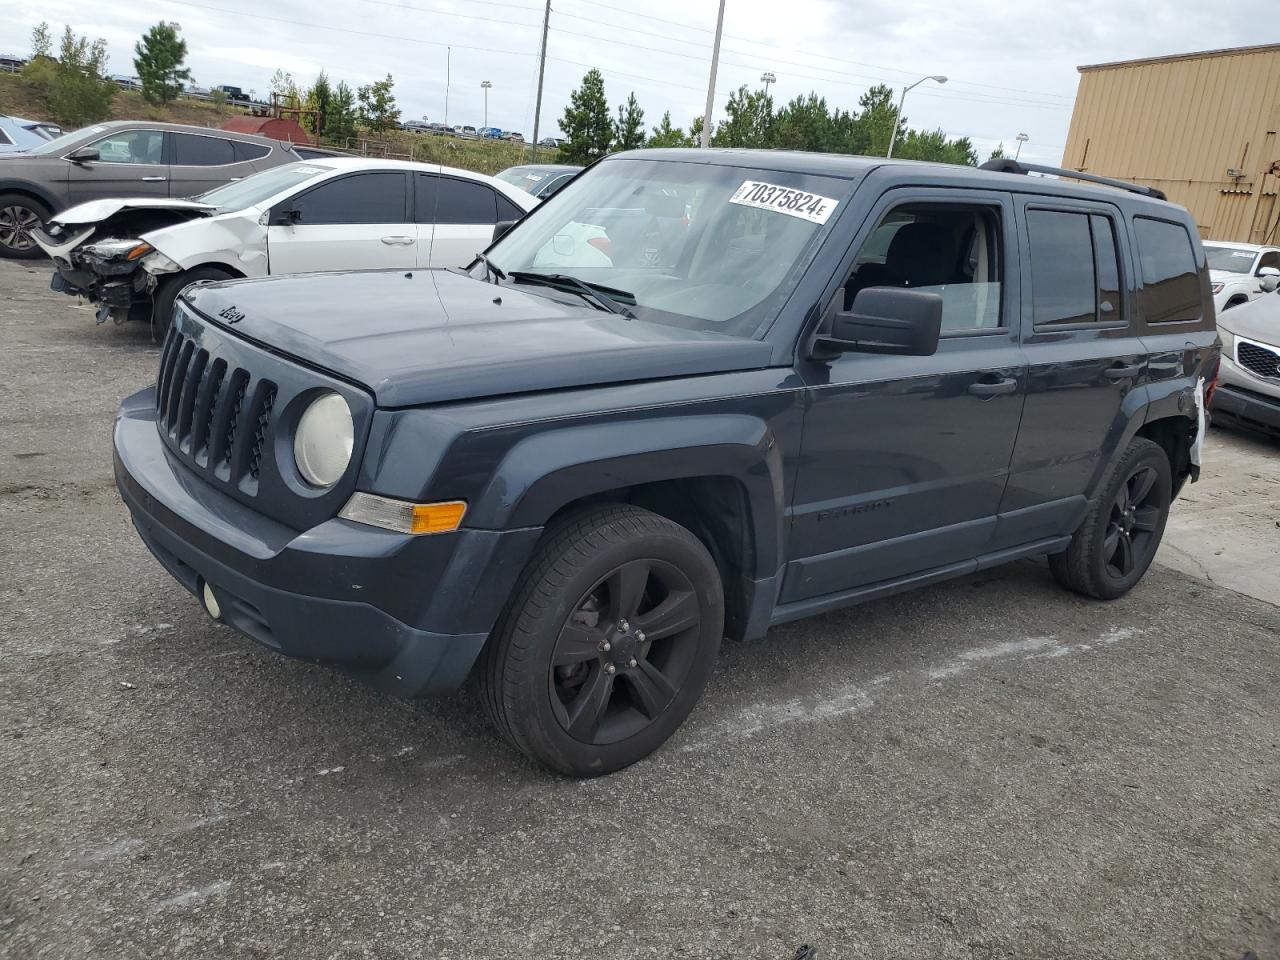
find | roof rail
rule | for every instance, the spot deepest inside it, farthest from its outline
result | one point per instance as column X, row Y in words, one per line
column 1007, row 165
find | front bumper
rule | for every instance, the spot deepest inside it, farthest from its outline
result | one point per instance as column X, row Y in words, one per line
column 1245, row 408
column 407, row 614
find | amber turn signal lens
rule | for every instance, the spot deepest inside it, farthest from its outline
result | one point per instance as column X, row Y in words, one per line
column 402, row 516
column 437, row 517
column 140, row 250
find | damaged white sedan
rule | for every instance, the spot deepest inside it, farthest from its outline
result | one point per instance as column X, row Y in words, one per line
column 132, row 257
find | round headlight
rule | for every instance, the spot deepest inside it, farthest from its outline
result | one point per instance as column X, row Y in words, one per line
column 323, row 442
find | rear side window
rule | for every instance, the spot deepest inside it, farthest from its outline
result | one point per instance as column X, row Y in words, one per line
column 508, row 210
column 191, row 150
column 1075, row 268
column 445, row 200
column 363, row 198
column 1170, row 281
column 249, row 151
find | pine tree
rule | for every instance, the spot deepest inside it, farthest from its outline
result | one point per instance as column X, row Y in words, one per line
column 630, row 126
column 586, row 124
column 317, row 99
column 748, row 122
column 666, row 134
column 159, row 56
column 378, row 110
column 340, row 117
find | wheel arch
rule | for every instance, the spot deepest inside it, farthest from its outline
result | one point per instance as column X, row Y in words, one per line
column 32, row 191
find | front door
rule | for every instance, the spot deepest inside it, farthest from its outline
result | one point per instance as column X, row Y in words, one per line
column 131, row 163
column 904, row 459
column 355, row 222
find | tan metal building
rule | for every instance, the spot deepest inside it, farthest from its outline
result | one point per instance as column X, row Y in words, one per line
column 1199, row 126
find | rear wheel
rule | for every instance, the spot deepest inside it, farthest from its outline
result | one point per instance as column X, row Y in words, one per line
column 1122, row 530
column 167, row 292
column 607, row 643
column 20, row 216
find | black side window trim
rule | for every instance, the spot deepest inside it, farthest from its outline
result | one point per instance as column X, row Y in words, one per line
column 1126, row 284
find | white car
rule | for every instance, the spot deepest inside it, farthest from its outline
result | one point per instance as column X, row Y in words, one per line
column 1248, row 393
column 133, row 256
column 1241, row 272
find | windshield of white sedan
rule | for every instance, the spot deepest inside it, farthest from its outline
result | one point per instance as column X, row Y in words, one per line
column 260, row 187
column 712, row 248
column 1230, row 259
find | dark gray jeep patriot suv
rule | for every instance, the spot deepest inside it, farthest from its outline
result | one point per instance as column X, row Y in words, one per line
column 695, row 394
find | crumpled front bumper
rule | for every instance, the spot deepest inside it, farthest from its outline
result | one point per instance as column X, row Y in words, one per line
column 407, row 614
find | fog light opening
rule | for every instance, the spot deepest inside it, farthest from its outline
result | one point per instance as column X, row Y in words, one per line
column 210, row 601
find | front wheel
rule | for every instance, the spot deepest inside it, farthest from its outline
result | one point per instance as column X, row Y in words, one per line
column 167, row 293
column 1121, row 532
column 20, row 217
column 607, row 643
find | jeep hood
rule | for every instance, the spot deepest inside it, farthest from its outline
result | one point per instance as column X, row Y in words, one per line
column 431, row 336
column 97, row 210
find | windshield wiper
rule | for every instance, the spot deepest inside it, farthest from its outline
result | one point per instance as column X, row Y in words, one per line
column 490, row 270
column 607, row 298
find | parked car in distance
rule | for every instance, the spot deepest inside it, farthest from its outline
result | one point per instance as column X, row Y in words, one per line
column 602, row 468
column 539, row 179
column 126, row 82
column 1241, row 272
column 439, row 129
column 18, row 135
column 234, row 94
column 415, row 126
column 513, row 136
column 468, row 131
column 129, row 158
column 490, row 133
column 1248, row 393
column 554, row 142
column 132, row 258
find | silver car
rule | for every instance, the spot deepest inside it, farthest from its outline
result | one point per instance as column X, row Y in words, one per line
column 1248, row 393
column 131, row 158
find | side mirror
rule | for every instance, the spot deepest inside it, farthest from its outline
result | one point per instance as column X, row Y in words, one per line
column 1270, row 277
column 892, row 320
column 83, row 155
column 500, row 228
column 285, row 217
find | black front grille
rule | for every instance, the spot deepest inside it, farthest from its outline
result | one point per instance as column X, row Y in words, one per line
column 1258, row 360
column 217, row 415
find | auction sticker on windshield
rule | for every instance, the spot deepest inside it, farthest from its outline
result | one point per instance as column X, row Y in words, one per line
column 794, row 203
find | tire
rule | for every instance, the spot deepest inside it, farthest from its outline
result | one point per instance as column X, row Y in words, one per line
column 549, row 683
column 167, row 292
column 1122, row 529
column 19, row 215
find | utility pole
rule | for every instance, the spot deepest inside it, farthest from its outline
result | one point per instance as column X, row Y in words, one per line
column 711, row 83
column 542, row 69
column 448, row 68
column 485, row 85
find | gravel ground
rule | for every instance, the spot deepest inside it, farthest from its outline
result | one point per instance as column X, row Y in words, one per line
column 987, row 768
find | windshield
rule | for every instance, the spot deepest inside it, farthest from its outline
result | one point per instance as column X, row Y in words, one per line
column 1230, row 259
column 66, row 141
column 261, row 186
column 710, row 248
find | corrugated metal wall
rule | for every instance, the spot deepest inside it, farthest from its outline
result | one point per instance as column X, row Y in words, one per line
column 1180, row 123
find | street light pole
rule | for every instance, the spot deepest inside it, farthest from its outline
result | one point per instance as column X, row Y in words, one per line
column 711, row 83
column 767, row 78
column 1021, row 138
column 485, row 85
column 897, row 117
column 448, row 67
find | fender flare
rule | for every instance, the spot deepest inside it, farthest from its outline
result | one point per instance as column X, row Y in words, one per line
column 546, row 472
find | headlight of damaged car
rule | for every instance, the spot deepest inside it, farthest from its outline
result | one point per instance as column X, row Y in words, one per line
column 157, row 262
column 324, row 440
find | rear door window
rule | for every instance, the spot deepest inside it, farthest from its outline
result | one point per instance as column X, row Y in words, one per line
column 1075, row 268
column 249, row 151
column 1170, row 280
column 193, row 150
column 362, row 198
column 446, row 200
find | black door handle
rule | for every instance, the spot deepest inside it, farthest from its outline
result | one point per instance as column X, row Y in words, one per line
column 993, row 389
column 1123, row 373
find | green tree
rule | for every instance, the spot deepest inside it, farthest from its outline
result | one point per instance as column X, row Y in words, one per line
column 665, row 134
column 316, row 102
column 378, row 110
column 695, row 132
column 285, row 89
column 748, row 120
column 804, row 124
column 934, row 145
column 340, row 117
column 586, row 124
column 630, row 126
column 158, row 58
column 876, row 120
column 998, row 152
column 75, row 83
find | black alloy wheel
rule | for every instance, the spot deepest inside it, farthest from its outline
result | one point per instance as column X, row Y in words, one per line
column 1130, row 540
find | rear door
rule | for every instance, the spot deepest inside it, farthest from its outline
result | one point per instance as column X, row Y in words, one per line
column 1086, row 362
column 200, row 162
column 456, row 218
column 357, row 221
column 131, row 163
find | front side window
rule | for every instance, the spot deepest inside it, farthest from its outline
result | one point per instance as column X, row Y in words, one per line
column 1075, row 272
column 1271, row 259
column 1170, row 281
column 363, row 198
column 697, row 245
column 193, row 150
column 131, row 146
column 952, row 250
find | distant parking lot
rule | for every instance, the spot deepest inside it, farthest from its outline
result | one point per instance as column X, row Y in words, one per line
column 987, row 768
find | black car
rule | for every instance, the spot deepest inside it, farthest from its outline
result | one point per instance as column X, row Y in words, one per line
column 571, row 469
column 234, row 94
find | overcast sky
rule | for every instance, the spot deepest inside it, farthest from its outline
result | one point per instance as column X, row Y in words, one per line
column 1011, row 65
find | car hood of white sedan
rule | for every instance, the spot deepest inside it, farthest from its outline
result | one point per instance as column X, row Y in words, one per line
column 96, row 210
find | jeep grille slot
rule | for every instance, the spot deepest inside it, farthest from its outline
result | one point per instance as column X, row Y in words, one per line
column 1258, row 360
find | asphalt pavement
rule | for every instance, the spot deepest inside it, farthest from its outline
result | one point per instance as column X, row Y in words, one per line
column 988, row 768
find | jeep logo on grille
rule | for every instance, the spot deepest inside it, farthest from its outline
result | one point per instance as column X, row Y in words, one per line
column 231, row 314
